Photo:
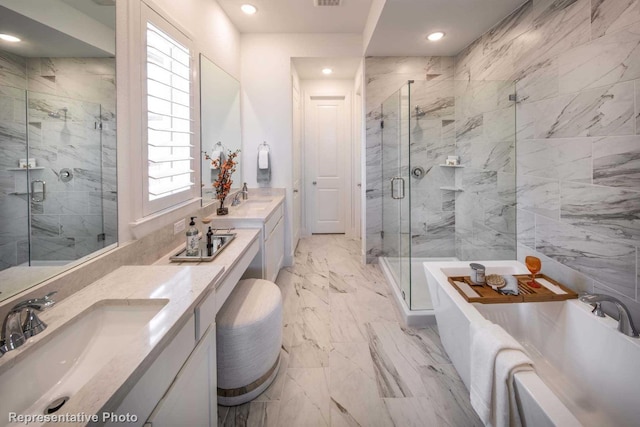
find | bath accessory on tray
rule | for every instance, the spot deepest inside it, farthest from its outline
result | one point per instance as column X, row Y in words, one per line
column 495, row 358
column 263, row 173
column 517, row 289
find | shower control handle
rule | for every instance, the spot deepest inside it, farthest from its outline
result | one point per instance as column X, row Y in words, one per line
column 33, row 190
column 394, row 180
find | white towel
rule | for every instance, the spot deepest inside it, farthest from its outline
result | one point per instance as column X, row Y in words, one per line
column 215, row 155
column 495, row 357
column 263, row 159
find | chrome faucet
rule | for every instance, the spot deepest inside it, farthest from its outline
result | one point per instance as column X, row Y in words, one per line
column 625, row 323
column 236, row 199
column 15, row 334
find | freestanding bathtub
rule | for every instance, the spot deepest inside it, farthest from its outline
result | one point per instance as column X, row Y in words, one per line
column 586, row 372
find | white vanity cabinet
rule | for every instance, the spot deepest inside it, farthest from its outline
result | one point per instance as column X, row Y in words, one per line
column 273, row 247
column 270, row 220
column 191, row 400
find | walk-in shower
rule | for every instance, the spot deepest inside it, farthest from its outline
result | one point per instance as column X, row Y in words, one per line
column 432, row 210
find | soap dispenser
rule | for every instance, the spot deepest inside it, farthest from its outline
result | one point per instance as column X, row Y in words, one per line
column 193, row 242
column 210, row 242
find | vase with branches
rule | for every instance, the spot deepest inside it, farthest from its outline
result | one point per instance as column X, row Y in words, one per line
column 223, row 183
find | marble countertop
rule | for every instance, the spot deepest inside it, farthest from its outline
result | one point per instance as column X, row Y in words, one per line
column 182, row 285
column 259, row 206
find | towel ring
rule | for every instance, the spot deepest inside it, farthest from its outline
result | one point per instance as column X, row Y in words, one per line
column 264, row 147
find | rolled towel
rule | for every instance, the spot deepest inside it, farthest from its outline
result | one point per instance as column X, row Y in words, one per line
column 263, row 176
column 263, row 159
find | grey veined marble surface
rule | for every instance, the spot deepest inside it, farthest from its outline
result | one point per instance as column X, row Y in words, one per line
column 346, row 358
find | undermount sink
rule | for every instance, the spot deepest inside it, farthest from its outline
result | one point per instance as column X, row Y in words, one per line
column 56, row 368
column 258, row 202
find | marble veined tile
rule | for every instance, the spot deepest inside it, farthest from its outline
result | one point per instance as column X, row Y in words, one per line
column 449, row 396
column 526, row 228
column 537, row 80
column 251, row 414
column 305, row 399
column 603, row 111
column 345, row 326
column 352, row 386
column 616, row 161
column 564, row 159
column 610, row 59
column 539, row 195
column 509, row 28
column 637, row 107
column 557, row 26
column 611, row 212
column 592, row 254
column 608, row 16
column 311, row 340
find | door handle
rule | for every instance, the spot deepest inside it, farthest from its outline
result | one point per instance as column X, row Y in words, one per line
column 314, row 182
column 33, row 190
column 394, row 181
column 295, row 190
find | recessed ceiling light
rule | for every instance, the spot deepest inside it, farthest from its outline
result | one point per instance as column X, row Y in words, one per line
column 249, row 9
column 9, row 38
column 435, row 36
column 327, row 71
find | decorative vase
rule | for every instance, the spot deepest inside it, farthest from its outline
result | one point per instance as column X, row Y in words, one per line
column 222, row 210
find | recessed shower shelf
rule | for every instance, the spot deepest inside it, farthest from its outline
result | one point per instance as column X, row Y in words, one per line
column 442, row 165
column 456, row 189
column 25, row 169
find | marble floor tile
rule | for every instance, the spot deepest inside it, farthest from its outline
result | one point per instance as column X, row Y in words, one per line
column 305, row 399
column 252, row 414
column 346, row 358
column 352, row 386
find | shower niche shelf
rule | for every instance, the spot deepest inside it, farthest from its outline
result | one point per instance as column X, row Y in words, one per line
column 25, row 169
column 442, row 165
column 456, row 189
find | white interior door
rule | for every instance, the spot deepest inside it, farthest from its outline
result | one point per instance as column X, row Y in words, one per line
column 297, row 163
column 326, row 152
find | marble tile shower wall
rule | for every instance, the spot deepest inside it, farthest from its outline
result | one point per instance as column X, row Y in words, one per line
column 431, row 137
column 576, row 64
column 13, row 209
column 66, row 225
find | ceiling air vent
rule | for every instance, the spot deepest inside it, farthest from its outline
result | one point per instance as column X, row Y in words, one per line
column 318, row 3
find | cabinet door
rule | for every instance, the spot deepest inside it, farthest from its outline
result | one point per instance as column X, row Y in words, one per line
column 192, row 398
column 274, row 252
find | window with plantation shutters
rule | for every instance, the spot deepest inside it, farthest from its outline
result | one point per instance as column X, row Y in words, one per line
column 169, row 130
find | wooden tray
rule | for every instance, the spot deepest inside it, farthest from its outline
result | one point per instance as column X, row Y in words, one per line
column 486, row 294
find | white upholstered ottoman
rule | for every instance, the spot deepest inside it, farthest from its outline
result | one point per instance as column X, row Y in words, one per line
column 248, row 341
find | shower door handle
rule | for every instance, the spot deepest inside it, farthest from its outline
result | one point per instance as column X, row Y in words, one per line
column 394, row 180
column 33, row 190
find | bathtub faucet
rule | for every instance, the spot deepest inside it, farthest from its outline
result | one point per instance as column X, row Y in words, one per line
column 625, row 323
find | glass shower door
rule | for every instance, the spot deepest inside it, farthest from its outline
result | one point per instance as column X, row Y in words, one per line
column 396, row 208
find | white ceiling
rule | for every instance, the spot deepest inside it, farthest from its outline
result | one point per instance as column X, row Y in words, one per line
column 404, row 25
column 298, row 16
column 39, row 40
column 103, row 11
column 311, row 68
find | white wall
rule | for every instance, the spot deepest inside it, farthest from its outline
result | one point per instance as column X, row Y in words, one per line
column 266, row 103
column 212, row 34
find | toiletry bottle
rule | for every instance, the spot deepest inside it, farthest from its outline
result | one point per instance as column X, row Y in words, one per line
column 477, row 273
column 245, row 192
column 209, row 242
column 193, row 243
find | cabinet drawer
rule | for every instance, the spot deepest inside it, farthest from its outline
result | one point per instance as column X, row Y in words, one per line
column 271, row 223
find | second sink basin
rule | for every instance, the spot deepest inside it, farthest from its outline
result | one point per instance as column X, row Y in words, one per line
column 55, row 370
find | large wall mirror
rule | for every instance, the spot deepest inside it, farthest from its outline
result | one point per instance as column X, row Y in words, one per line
column 220, row 122
column 58, row 194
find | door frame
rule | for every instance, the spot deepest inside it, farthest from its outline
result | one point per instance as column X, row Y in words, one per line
column 348, row 161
